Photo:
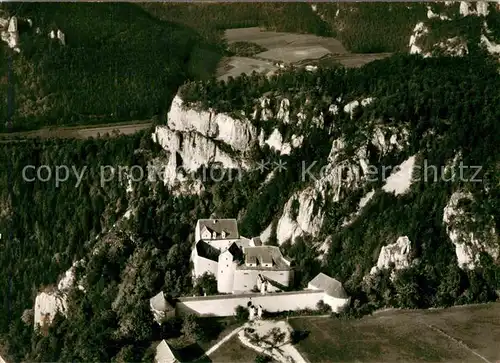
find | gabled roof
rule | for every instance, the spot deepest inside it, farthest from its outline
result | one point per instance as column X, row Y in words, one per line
column 229, row 226
column 164, row 354
column 207, row 251
column 159, row 303
column 263, row 255
column 331, row 286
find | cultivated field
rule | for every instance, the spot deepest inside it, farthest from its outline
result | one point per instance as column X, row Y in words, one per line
column 272, row 40
column 287, row 48
column 460, row 334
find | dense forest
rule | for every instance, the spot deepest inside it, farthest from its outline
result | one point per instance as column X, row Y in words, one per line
column 119, row 63
column 449, row 106
column 361, row 27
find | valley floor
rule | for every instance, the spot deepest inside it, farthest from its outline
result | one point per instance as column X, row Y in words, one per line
column 458, row 334
column 79, row 132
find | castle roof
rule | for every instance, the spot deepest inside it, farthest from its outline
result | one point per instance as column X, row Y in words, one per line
column 205, row 250
column 331, row 286
column 159, row 303
column 164, row 354
column 261, row 255
column 229, row 226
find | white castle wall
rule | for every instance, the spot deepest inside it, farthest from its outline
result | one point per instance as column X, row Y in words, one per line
column 245, row 280
column 225, row 305
column 225, row 273
column 202, row 265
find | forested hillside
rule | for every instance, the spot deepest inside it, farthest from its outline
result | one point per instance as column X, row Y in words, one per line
column 118, row 63
column 361, row 27
column 52, row 227
column 134, row 239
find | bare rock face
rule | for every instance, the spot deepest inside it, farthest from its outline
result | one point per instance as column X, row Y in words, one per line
column 284, row 111
column 200, row 138
column 463, row 232
column 397, row 253
column 47, row 305
column 351, row 106
column 52, row 301
column 418, row 32
column 11, row 34
column 61, row 37
column 341, row 174
column 188, row 152
column 234, row 132
column 306, row 221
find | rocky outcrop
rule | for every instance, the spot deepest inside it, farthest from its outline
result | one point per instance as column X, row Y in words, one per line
column 490, row 46
column 351, row 106
column 400, row 181
column 342, row 173
column 189, row 151
column 200, row 138
column 418, row 32
column 464, row 232
column 47, row 305
column 306, row 220
column 217, row 126
column 275, row 141
column 467, row 8
column 432, row 15
column 52, row 301
column 59, row 35
column 10, row 35
column 193, row 150
column 453, row 47
column 457, row 45
column 397, row 253
column 284, row 111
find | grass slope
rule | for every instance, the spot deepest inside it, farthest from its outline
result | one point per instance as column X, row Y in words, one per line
column 409, row 336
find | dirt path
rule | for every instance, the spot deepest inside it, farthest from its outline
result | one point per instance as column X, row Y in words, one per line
column 459, row 342
column 222, row 341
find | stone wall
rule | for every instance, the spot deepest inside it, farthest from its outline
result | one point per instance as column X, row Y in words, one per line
column 225, row 305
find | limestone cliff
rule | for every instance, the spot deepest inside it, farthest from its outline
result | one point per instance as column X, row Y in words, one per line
column 397, row 253
column 462, row 230
column 342, row 174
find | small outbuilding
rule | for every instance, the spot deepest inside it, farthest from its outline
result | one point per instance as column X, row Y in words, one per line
column 335, row 295
column 164, row 354
column 160, row 307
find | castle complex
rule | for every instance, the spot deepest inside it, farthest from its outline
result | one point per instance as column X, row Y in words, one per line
column 239, row 264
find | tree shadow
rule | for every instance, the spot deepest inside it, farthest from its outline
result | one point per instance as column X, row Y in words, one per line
column 299, row 335
column 192, row 353
column 211, row 327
